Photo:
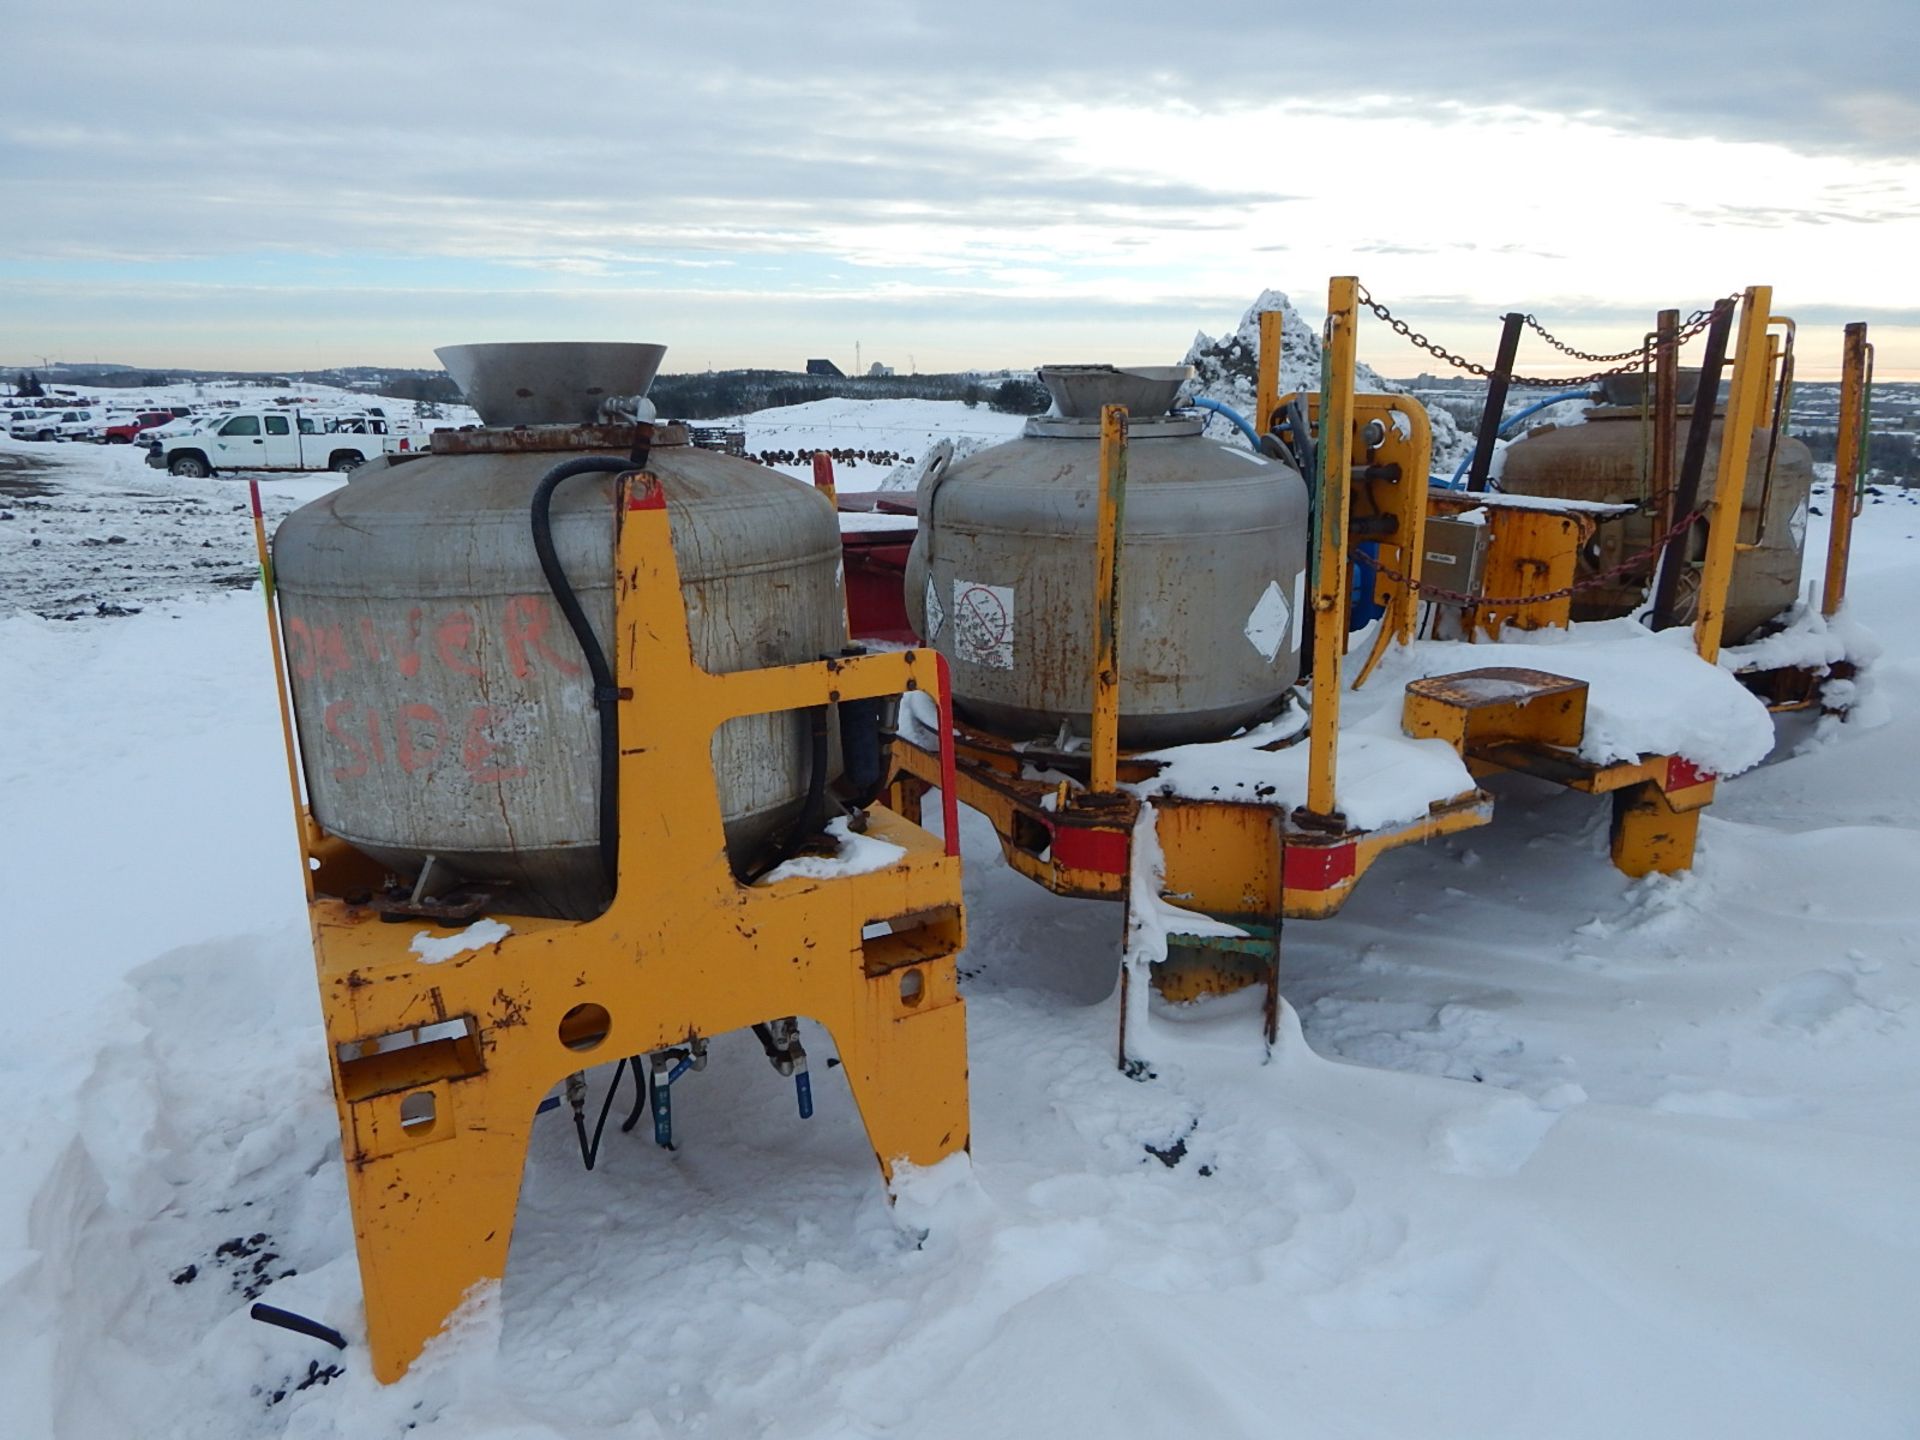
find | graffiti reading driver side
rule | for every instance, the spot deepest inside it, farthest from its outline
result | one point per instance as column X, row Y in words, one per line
column 415, row 736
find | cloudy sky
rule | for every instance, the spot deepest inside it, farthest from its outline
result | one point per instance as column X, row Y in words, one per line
column 967, row 184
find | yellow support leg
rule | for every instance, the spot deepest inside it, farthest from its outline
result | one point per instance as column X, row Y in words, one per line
column 1649, row 835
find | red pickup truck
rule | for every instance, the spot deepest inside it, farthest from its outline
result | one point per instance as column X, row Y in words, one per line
column 122, row 432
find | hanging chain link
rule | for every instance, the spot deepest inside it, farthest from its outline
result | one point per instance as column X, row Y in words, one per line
column 1693, row 325
column 1507, row 602
column 1635, row 358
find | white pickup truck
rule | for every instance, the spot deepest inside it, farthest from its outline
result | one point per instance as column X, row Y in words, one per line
column 266, row 440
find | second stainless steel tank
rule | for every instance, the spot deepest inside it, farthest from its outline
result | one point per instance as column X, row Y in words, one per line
column 1606, row 458
column 1001, row 579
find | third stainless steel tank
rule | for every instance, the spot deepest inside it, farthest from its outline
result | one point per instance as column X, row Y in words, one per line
column 1605, row 458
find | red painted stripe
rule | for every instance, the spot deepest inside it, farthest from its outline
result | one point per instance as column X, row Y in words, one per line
column 1683, row 774
column 1316, row 867
column 949, row 797
column 644, row 493
column 1107, row 851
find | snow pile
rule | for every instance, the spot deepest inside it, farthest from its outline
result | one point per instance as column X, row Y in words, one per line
column 431, row 949
column 1647, row 693
column 854, row 854
column 1808, row 639
column 1384, row 777
column 1227, row 369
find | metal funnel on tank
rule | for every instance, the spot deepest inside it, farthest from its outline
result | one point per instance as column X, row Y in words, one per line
column 1146, row 390
column 549, row 382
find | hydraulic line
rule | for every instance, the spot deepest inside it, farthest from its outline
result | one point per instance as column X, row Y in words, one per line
column 1239, row 420
column 590, row 1149
column 1508, row 424
column 605, row 692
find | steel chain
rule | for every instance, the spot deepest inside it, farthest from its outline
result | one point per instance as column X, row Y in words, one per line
column 1504, row 602
column 1635, row 358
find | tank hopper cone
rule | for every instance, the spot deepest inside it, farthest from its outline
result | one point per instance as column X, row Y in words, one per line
column 551, row 382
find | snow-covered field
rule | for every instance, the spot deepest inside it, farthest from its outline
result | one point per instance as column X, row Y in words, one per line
column 1543, row 1152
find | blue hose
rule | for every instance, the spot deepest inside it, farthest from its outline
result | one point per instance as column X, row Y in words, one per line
column 1235, row 416
column 1508, row 424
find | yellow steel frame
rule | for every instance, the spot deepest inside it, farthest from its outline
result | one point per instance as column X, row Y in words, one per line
column 1333, row 487
column 1746, row 402
column 685, row 951
column 1849, row 463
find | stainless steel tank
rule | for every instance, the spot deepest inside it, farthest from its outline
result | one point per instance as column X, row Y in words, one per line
column 443, row 704
column 1607, row 458
column 1001, row 576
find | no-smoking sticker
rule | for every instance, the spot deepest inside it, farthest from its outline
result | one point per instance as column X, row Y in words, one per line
column 983, row 624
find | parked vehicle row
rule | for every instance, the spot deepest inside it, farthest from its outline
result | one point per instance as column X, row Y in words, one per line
column 271, row 437
column 271, row 440
column 86, row 422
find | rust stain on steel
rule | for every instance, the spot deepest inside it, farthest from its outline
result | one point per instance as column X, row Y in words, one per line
column 1495, row 685
column 535, row 439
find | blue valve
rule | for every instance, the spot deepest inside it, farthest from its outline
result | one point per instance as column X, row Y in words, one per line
column 663, row 1102
column 662, row 1113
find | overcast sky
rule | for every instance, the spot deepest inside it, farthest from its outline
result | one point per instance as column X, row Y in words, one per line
column 970, row 184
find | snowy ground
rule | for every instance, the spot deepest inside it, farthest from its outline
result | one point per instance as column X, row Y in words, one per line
column 1543, row 1152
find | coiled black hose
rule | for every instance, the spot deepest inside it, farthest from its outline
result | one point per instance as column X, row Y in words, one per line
column 605, row 692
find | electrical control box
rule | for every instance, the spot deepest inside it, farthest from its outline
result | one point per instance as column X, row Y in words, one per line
column 1453, row 557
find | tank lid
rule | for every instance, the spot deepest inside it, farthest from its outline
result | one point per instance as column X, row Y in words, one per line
column 1079, row 391
column 549, row 382
column 1627, row 389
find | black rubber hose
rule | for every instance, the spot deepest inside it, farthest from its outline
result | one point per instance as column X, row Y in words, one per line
column 590, row 1151
column 860, row 748
column 605, row 692
column 299, row 1324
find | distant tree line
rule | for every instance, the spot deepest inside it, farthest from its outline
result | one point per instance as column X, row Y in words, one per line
column 739, row 392
column 1890, row 457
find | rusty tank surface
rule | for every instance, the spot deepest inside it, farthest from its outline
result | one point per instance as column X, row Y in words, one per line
column 1606, row 456
column 1213, row 553
column 444, row 706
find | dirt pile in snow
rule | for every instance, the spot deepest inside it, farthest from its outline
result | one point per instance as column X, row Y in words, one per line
column 1227, row 369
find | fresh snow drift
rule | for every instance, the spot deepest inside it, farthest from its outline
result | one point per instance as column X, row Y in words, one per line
column 1542, row 1152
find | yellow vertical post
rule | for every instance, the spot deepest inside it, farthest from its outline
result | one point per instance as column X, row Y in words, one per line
column 1267, row 391
column 1110, row 521
column 1746, row 400
column 1771, row 391
column 280, row 676
column 1332, row 484
column 1848, row 455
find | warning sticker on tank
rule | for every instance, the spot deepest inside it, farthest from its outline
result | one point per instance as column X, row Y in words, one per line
column 936, row 612
column 1798, row 524
column 1266, row 628
column 983, row 624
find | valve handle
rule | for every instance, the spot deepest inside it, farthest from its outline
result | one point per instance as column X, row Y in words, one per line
column 803, row 1091
column 663, row 1113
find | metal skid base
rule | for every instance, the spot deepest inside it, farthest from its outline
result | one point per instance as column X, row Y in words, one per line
column 1250, row 865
